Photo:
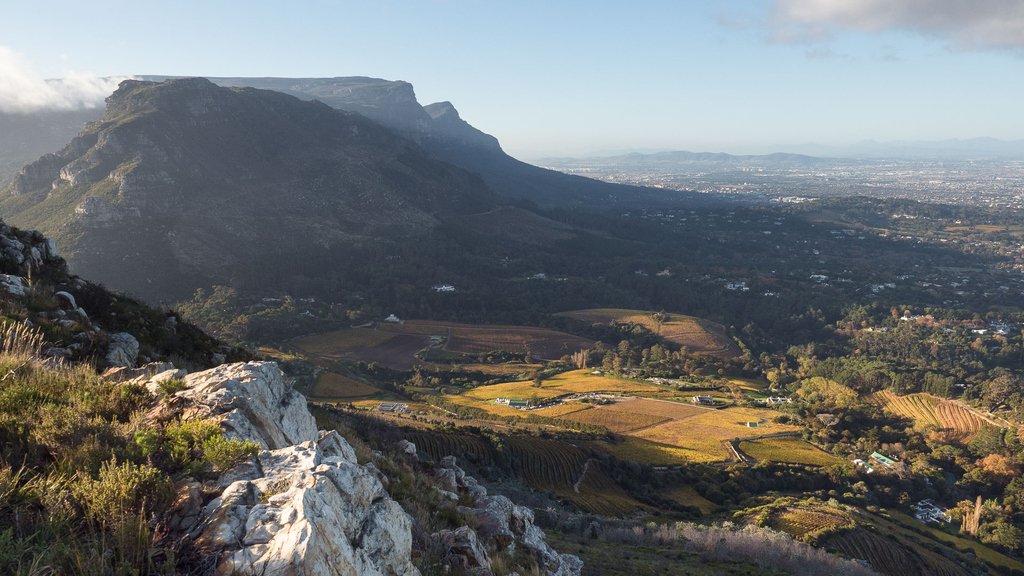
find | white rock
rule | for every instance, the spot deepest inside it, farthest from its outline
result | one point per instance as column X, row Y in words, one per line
column 123, row 350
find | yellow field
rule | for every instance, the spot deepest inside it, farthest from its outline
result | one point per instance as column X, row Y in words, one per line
column 618, row 421
column 331, row 386
column 646, row 452
column 575, row 382
column 955, row 419
column 704, row 433
column 562, row 409
column 697, row 335
column 687, row 496
column 787, row 450
column 490, row 407
column 663, row 408
column 496, row 369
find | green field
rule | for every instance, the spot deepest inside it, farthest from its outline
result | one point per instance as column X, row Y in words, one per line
column 787, row 450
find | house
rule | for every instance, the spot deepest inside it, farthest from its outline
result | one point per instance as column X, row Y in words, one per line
column 392, row 319
column 502, row 401
column 704, row 400
column 518, row 404
column 443, row 288
column 395, row 407
column 928, row 511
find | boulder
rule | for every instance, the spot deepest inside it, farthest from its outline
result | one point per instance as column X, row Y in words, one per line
column 463, row 550
column 123, row 350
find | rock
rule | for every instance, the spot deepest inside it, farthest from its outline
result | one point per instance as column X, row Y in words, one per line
column 67, row 299
column 153, row 383
column 253, row 403
column 140, row 375
column 13, row 285
column 406, row 447
column 123, row 350
column 310, row 514
column 463, row 550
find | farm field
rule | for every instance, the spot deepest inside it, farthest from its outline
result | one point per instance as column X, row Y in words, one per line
column 332, row 386
column 697, row 335
column 635, row 413
column 647, row 452
column 957, row 420
column 396, row 345
column 704, row 433
column 574, row 382
column 561, row 409
column 892, row 556
column 983, row 552
column 787, row 450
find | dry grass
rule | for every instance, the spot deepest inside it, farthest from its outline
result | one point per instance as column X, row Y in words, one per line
column 688, row 496
column 646, row 452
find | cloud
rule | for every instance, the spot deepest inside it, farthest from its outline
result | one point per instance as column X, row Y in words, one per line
column 964, row 24
column 22, row 91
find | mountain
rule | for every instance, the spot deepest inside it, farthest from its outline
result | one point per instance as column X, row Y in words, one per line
column 440, row 130
column 184, row 183
column 953, row 149
column 25, row 137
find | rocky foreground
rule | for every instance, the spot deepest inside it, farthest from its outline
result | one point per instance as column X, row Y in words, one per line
column 305, row 505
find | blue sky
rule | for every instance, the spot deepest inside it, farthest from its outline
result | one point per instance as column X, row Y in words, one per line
column 568, row 78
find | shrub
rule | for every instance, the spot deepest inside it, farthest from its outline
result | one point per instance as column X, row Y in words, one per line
column 171, row 386
column 223, row 453
column 123, row 491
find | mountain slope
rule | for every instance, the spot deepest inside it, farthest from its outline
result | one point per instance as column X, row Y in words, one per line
column 440, row 130
column 184, row 183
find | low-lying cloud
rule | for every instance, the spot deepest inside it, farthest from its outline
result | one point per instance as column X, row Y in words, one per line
column 23, row 92
column 970, row 24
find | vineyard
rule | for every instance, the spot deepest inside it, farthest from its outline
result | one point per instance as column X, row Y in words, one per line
column 806, row 523
column 336, row 387
column 697, row 335
column 618, row 421
column 892, row 556
column 956, row 420
column 787, row 450
column 546, row 465
column 705, row 433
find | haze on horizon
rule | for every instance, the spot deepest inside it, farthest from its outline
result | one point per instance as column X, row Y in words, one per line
column 573, row 78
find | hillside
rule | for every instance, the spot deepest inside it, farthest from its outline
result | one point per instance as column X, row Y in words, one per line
column 184, row 180
column 440, row 130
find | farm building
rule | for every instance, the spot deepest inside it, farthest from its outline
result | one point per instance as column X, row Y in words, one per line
column 392, row 319
column 518, row 404
column 393, row 407
column 704, row 400
column 928, row 511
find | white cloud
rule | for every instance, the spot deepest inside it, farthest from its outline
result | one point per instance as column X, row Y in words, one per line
column 22, row 91
column 965, row 24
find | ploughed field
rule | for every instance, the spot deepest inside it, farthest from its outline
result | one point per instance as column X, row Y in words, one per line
column 696, row 334
column 396, row 345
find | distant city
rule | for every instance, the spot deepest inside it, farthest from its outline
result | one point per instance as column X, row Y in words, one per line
column 793, row 178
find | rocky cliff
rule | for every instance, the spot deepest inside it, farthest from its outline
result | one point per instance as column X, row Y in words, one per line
column 306, row 505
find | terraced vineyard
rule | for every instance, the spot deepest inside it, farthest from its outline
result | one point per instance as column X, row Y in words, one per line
column 953, row 418
column 803, row 523
column 697, row 335
column 893, row 557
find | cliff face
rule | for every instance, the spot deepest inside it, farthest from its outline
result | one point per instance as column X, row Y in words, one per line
column 305, row 505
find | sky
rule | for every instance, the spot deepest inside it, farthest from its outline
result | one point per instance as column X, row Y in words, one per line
column 569, row 78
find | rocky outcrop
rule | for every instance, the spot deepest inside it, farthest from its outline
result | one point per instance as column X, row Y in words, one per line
column 304, row 506
column 123, row 350
column 501, row 526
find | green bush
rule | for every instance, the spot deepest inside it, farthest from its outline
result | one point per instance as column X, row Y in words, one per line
column 123, row 491
column 171, row 386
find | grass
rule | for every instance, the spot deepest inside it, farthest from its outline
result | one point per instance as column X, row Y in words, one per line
column 332, row 386
column 787, row 450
